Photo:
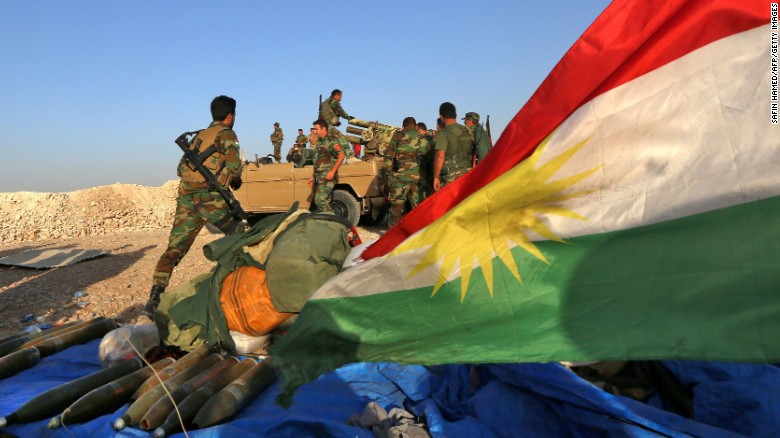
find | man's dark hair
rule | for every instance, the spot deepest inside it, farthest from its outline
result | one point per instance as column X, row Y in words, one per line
column 335, row 92
column 221, row 107
column 447, row 110
column 321, row 123
column 422, row 126
column 409, row 122
column 299, row 129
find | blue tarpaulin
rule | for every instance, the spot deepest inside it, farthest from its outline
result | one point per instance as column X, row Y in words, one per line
column 509, row 400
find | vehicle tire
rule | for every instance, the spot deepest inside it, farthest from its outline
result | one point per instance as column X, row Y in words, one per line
column 346, row 206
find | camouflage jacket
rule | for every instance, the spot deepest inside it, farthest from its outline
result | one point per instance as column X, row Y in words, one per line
column 224, row 163
column 277, row 136
column 331, row 111
column 404, row 152
column 327, row 151
column 456, row 141
column 301, row 140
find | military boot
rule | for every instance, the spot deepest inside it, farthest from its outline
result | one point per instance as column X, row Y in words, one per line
column 153, row 302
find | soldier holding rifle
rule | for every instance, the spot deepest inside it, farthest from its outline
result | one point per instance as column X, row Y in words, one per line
column 199, row 201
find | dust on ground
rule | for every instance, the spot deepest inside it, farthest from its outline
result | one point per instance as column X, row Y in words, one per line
column 130, row 223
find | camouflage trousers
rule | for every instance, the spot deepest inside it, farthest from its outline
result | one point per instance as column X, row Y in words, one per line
column 322, row 190
column 278, row 152
column 453, row 174
column 403, row 188
column 192, row 213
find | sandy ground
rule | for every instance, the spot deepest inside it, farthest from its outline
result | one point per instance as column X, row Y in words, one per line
column 115, row 285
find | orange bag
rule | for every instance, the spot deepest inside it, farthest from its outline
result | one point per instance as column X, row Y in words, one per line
column 246, row 302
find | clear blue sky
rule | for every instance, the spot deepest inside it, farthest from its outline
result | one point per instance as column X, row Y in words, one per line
column 95, row 92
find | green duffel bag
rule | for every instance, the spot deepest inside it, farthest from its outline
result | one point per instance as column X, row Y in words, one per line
column 305, row 255
column 187, row 338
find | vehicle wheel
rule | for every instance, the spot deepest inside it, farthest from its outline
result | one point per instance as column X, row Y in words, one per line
column 346, row 206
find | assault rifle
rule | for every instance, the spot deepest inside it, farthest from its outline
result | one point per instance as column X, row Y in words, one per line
column 196, row 160
column 487, row 128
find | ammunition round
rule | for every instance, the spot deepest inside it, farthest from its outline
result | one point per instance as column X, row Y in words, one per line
column 119, row 424
column 7, row 420
column 54, row 423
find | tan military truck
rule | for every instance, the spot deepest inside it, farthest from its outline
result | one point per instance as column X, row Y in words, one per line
column 360, row 191
column 272, row 188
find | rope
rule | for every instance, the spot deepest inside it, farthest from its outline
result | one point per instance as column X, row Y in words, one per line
column 175, row 406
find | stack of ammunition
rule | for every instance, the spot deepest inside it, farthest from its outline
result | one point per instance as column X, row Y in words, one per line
column 199, row 390
column 22, row 352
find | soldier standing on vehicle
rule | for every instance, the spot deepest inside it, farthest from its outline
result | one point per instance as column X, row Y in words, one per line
column 328, row 156
column 331, row 111
column 197, row 203
column 454, row 148
column 276, row 139
column 402, row 163
column 300, row 140
column 481, row 141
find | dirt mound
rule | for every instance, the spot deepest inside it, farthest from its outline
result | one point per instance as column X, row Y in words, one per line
column 29, row 216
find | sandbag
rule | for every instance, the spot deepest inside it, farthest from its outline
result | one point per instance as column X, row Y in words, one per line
column 308, row 253
column 246, row 302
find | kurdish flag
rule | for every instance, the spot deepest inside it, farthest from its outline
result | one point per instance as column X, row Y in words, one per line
column 630, row 210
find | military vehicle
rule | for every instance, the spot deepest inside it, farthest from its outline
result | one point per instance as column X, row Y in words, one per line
column 360, row 191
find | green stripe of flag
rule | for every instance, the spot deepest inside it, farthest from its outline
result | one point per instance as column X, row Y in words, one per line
column 702, row 287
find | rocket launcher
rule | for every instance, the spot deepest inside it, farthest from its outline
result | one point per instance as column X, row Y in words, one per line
column 374, row 135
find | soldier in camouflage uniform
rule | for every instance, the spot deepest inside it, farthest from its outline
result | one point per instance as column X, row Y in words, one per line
column 328, row 156
column 331, row 111
column 196, row 204
column 426, row 162
column 313, row 139
column 276, row 139
column 478, row 133
column 300, row 140
column 454, row 148
column 402, row 163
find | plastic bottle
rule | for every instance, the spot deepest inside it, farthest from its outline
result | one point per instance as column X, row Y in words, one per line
column 116, row 344
column 31, row 330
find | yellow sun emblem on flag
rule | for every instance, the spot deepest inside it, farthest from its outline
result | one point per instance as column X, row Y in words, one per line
column 492, row 221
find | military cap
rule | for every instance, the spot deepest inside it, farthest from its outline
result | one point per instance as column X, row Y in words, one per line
column 472, row 116
column 277, row 123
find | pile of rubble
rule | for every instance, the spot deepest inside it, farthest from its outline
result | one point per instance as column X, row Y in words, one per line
column 28, row 216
